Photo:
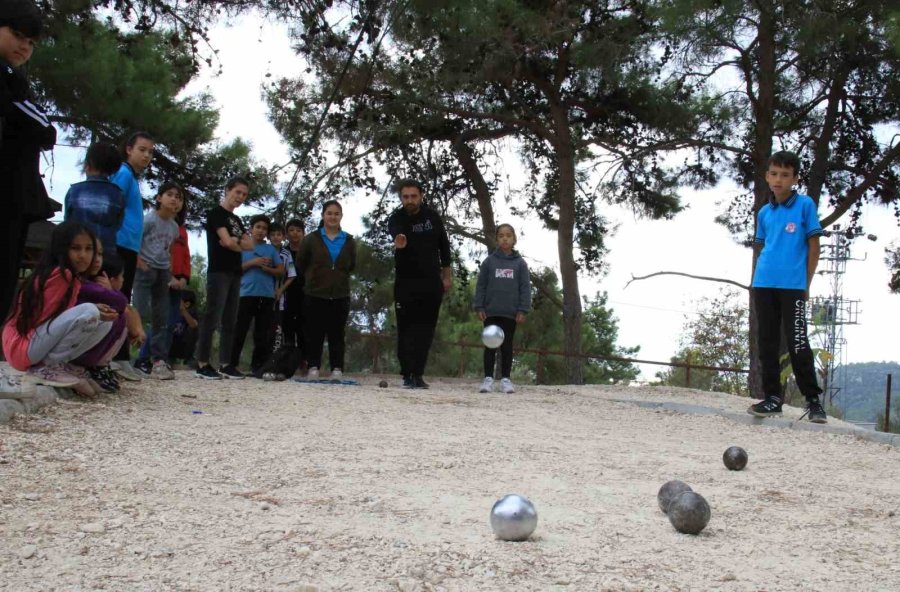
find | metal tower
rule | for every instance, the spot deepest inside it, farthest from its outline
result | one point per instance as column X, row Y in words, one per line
column 831, row 313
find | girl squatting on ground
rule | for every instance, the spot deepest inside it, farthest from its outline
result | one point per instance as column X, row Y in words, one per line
column 502, row 298
column 47, row 329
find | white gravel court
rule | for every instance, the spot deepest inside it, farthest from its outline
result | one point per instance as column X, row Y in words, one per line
column 306, row 487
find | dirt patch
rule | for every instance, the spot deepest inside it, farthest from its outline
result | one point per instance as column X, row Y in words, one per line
column 261, row 486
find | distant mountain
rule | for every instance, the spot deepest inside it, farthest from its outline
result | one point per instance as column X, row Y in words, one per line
column 863, row 384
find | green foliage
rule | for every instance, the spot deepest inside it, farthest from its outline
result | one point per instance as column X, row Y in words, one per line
column 861, row 397
column 104, row 83
column 716, row 337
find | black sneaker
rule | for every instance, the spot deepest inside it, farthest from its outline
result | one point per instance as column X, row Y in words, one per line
column 771, row 405
column 231, row 372
column 814, row 411
column 144, row 367
column 419, row 383
column 102, row 378
column 409, row 382
column 207, row 372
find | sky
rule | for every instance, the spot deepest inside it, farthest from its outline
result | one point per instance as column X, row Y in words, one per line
column 651, row 313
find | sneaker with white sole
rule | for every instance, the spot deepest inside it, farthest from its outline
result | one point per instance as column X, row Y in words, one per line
column 507, row 387
column 336, row 373
column 207, row 372
column 313, row 373
column 231, row 373
column 487, row 385
column 52, row 376
column 12, row 387
column 126, row 370
column 162, row 371
column 768, row 407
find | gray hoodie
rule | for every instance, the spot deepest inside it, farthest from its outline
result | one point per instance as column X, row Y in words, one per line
column 504, row 286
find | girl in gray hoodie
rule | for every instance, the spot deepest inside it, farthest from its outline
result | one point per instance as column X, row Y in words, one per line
column 502, row 298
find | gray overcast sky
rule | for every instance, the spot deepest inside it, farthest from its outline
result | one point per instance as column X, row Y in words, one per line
column 651, row 312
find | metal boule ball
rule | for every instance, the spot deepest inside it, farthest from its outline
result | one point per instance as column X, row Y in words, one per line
column 669, row 491
column 689, row 513
column 383, row 384
column 735, row 458
column 492, row 337
column 513, row 518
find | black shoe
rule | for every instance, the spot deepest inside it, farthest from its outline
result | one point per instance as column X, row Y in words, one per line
column 231, row 372
column 814, row 411
column 419, row 383
column 207, row 373
column 145, row 367
column 770, row 406
column 409, row 382
column 103, row 379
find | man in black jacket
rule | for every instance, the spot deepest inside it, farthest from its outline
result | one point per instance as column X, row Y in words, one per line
column 422, row 276
column 24, row 132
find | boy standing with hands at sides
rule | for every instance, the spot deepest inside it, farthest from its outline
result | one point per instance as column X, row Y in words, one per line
column 138, row 152
column 260, row 268
column 292, row 323
column 788, row 231
column 282, row 283
column 226, row 239
column 502, row 298
column 154, row 277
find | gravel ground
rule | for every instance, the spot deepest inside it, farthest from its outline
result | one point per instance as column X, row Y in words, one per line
column 245, row 485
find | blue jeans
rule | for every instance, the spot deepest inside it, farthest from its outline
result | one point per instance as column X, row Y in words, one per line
column 151, row 299
column 174, row 317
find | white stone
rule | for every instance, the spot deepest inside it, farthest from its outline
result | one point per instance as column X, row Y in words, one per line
column 27, row 552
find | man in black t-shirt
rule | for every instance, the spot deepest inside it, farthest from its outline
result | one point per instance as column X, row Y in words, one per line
column 422, row 276
column 225, row 239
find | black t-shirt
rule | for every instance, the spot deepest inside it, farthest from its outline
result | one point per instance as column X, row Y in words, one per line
column 418, row 265
column 220, row 258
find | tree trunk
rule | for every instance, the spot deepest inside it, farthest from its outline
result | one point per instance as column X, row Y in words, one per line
column 763, row 114
column 481, row 190
column 572, row 317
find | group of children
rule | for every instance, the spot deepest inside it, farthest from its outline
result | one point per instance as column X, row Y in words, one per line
column 72, row 317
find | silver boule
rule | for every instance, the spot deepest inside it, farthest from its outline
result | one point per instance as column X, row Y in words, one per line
column 513, row 518
column 669, row 491
column 492, row 337
column 689, row 513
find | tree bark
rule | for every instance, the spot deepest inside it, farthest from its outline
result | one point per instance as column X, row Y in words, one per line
column 481, row 190
column 568, row 270
column 763, row 112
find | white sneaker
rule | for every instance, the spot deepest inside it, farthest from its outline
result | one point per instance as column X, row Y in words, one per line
column 336, row 373
column 487, row 385
column 162, row 371
column 313, row 373
column 12, row 387
column 507, row 387
column 127, row 371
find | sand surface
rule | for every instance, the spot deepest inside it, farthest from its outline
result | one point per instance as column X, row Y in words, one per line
column 310, row 487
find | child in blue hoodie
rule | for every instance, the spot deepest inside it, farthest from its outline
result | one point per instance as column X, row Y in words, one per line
column 502, row 298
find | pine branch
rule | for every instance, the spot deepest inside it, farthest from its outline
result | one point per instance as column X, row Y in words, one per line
column 696, row 277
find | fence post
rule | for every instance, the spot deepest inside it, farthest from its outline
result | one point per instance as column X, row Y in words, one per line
column 687, row 371
column 887, row 404
column 539, row 378
column 462, row 360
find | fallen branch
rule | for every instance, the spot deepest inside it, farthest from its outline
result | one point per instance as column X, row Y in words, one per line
column 696, row 277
